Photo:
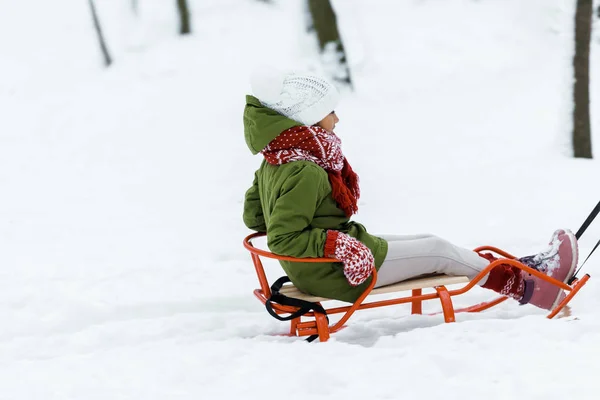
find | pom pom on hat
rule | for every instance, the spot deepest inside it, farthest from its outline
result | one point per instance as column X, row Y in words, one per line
column 305, row 98
column 267, row 84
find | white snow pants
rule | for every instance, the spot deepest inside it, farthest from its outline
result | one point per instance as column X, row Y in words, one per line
column 410, row 256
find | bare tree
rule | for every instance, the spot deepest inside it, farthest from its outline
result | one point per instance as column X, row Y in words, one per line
column 101, row 40
column 135, row 6
column 324, row 23
column 184, row 17
column 582, row 138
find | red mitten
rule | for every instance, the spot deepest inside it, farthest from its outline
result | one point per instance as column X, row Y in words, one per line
column 357, row 258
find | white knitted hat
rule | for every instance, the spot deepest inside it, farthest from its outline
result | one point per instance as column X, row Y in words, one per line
column 302, row 97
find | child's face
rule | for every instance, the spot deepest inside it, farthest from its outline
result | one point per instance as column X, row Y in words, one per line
column 328, row 123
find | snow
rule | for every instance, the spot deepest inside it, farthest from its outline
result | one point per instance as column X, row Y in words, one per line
column 122, row 273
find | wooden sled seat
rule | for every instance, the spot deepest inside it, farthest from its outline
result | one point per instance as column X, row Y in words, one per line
column 431, row 281
column 318, row 325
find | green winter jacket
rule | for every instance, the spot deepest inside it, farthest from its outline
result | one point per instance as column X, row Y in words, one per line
column 293, row 204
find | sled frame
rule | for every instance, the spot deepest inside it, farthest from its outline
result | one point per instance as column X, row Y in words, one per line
column 317, row 323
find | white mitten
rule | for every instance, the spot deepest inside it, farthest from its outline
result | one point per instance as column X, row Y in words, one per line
column 357, row 258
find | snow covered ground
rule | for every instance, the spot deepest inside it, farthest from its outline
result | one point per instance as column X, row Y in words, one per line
column 122, row 274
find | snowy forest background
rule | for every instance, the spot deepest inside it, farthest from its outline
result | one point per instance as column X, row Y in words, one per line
column 122, row 273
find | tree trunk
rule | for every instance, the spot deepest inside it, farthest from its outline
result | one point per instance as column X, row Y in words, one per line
column 184, row 17
column 102, row 42
column 135, row 6
column 582, row 138
column 324, row 22
column 309, row 25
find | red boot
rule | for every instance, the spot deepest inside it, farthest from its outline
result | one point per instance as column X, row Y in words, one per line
column 558, row 262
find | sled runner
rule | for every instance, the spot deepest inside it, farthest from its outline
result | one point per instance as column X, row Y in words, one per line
column 286, row 299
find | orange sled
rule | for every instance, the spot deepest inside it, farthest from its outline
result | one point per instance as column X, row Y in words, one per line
column 317, row 323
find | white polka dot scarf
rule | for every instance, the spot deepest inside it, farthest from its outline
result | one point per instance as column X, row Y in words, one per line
column 324, row 148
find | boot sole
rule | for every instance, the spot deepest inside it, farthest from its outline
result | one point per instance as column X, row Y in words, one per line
column 575, row 251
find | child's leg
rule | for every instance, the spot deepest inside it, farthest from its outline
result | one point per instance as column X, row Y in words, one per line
column 410, row 256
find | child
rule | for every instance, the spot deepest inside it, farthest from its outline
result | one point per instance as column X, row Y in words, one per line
column 305, row 192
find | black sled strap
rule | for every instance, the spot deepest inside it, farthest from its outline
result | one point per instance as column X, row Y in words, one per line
column 580, row 232
column 302, row 305
column 588, row 221
column 581, row 266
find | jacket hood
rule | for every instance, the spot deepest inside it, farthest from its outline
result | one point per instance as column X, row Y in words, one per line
column 262, row 125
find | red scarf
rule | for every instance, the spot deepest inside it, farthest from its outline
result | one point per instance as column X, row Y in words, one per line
column 313, row 143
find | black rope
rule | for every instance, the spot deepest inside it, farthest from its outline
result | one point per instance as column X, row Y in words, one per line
column 580, row 233
column 302, row 305
column 581, row 266
column 588, row 221
column 588, row 257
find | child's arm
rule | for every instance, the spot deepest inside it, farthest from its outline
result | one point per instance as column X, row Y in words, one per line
column 253, row 213
column 289, row 232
